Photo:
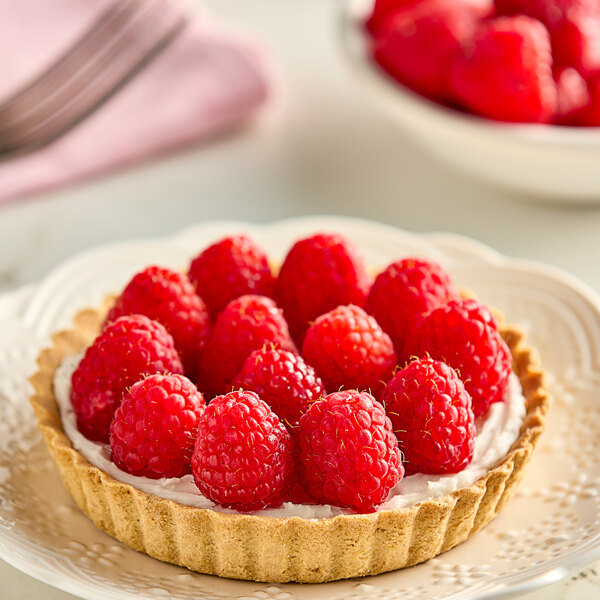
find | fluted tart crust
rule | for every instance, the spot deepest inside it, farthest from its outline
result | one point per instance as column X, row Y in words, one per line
column 273, row 549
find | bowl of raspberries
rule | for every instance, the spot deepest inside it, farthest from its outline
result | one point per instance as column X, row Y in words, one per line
column 508, row 90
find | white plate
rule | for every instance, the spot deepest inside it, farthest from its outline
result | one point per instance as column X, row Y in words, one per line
column 548, row 530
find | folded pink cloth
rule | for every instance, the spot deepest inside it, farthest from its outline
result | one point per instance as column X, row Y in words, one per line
column 205, row 82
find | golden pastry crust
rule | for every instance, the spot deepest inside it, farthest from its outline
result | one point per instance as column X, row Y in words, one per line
column 292, row 548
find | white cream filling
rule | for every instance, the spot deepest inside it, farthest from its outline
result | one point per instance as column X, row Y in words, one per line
column 496, row 434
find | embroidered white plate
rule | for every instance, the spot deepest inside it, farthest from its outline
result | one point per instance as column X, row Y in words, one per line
column 550, row 529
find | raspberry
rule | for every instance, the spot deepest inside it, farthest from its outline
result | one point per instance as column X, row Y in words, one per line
column 573, row 96
column 318, row 274
column 383, row 9
column 348, row 349
column 347, row 452
column 298, row 493
column 505, row 73
column 404, row 293
column 125, row 351
column 417, row 45
column 283, row 380
column 465, row 335
column 169, row 298
column 233, row 267
column 432, row 416
column 243, row 457
column 153, row 431
column 590, row 115
column 246, row 324
column 574, row 27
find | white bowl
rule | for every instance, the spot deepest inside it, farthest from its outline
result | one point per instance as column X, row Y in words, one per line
column 547, row 162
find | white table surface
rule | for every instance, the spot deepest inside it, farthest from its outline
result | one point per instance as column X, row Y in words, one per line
column 325, row 149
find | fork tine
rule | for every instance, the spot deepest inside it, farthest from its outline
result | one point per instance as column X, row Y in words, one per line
column 119, row 53
column 116, row 73
column 134, row 51
column 54, row 92
column 107, row 53
column 85, row 45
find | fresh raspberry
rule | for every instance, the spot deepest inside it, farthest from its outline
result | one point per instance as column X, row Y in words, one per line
column 349, row 350
column 590, row 115
column 168, row 297
column 297, row 493
column 573, row 96
column 243, row 457
column 383, row 9
column 574, row 27
column 283, row 380
column 404, row 293
column 465, row 335
column 154, row 429
column 318, row 274
column 418, row 44
column 246, row 324
column 125, row 351
column 347, row 452
column 432, row 416
column 505, row 73
column 233, row 267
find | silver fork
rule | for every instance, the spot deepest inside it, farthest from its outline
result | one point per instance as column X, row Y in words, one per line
column 118, row 45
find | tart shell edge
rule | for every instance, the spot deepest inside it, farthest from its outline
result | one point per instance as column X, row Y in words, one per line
column 278, row 550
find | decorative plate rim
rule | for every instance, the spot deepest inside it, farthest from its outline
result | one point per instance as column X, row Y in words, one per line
column 478, row 254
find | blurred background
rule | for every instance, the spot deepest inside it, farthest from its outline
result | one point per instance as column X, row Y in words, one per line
column 318, row 145
column 311, row 141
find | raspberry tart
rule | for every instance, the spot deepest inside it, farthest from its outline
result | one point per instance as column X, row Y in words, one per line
column 292, row 426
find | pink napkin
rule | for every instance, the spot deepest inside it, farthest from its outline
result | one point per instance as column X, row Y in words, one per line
column 207, row 81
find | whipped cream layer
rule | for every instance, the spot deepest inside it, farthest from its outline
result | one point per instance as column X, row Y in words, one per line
column 495, row 435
